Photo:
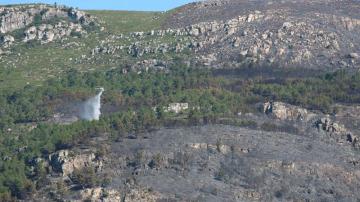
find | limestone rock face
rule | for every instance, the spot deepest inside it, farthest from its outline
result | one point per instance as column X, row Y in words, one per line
column 285, row 111
column 66, row 162
column 13, row 20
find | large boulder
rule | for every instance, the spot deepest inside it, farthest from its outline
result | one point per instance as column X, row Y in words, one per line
column 49, row 36
column 6, row 40
column 30, row 34
column 80, row 16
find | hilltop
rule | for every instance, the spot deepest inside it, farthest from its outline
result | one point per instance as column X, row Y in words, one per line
column 310, row 34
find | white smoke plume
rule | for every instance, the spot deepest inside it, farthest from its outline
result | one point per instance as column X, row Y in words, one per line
column 90, row 109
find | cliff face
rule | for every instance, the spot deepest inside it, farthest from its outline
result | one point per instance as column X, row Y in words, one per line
column 13, row 21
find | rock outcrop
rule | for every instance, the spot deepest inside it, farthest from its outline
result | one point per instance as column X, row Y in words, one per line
column 338, row 132
column 66, row 162
column 283, row 111
column 42, row 22
column 18, row 17
column 100, row 194
column 6, row 40
column 47, row 33
column 327, row 125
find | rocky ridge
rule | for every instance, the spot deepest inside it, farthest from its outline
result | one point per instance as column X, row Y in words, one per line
column 258, row 36
column 287, row 34
column 274, row 36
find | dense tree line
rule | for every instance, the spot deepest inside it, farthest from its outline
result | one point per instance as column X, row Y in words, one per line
column 318, row 93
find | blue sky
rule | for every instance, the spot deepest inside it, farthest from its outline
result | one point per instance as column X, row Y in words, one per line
column 140, row 5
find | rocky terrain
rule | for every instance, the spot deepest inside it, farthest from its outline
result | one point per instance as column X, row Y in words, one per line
column 276, row 34
column 233, row 34
column 43, row 23
column 315, row 160
column 281, row 33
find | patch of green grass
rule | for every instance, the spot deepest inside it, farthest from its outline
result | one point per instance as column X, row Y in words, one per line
column 118, row 22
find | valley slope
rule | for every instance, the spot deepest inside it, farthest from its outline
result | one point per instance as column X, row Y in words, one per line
column 219, row 100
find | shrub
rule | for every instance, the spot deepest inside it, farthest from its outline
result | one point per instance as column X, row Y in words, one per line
column 37, row 20
column 85, row 177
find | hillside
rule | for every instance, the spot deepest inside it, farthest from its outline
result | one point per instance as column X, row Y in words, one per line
column 219, row 100
column 312, row 34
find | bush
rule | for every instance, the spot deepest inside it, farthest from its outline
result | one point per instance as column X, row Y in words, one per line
column 37, row 20
column 86, row 177
column 76, row 34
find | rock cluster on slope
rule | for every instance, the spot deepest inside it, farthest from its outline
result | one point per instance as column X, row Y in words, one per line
column 44, row 23
column 327, row 125
column 47, row 32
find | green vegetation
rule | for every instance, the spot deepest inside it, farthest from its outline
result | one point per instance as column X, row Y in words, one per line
column 130, row 21
column 318, row 93
column 86, row 178
column 33, row 63
column 135, row 96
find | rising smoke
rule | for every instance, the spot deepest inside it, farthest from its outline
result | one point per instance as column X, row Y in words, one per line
column 90, row 109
